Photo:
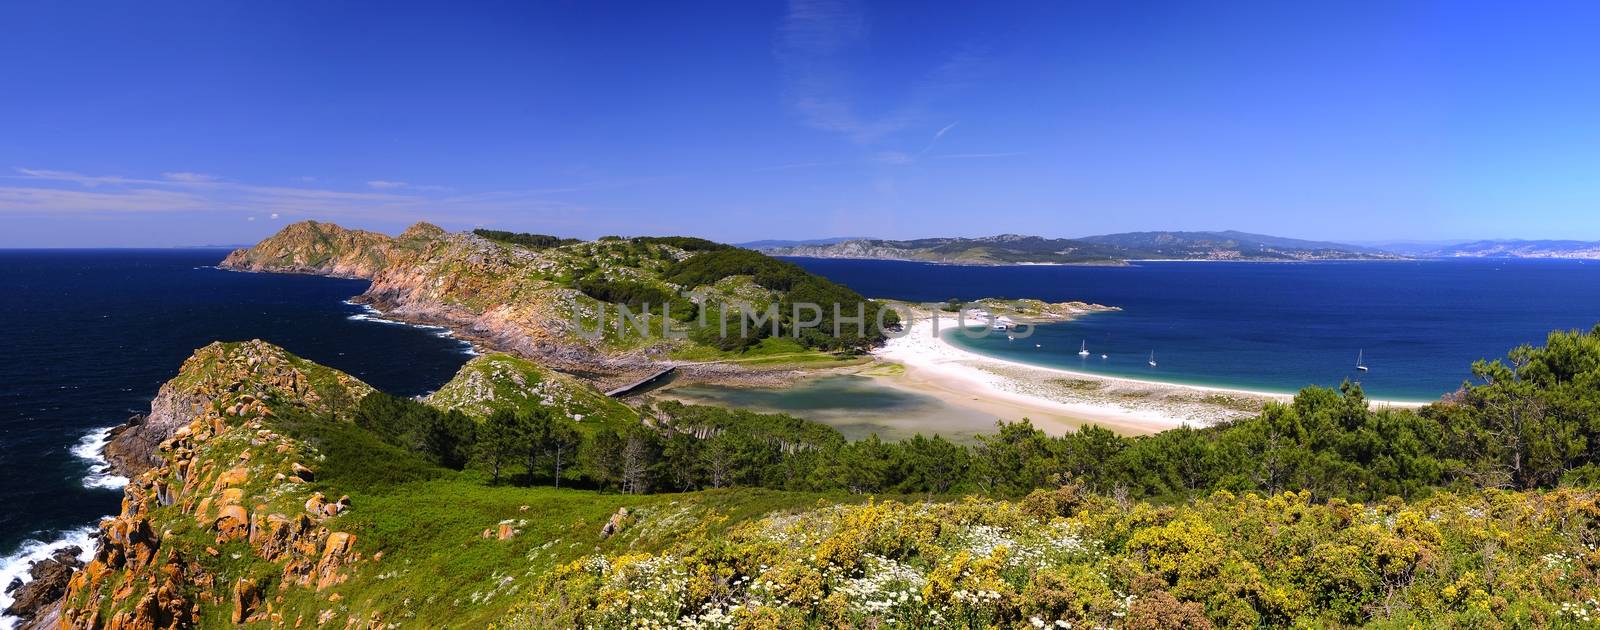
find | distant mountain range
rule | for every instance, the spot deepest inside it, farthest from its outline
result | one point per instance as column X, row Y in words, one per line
column 1104, row 249
column 772, row 244
column 1118, row 248
column 1588, row 250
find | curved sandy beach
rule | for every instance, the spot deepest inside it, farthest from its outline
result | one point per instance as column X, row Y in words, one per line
column 1058, row 400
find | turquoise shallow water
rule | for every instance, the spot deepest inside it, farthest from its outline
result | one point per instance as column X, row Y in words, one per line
column 1267, row 326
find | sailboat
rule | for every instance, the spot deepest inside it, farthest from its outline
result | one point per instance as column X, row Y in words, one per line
column 1361, row 366
column 1152, row 358
column 1083, row 350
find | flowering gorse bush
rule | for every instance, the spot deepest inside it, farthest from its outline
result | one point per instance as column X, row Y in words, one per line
column 1067, row 559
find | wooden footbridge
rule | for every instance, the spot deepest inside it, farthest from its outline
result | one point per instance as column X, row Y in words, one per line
column 643, row 383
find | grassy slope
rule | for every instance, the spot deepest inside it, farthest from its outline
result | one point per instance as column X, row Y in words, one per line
column 501, row 381
column 439, row 571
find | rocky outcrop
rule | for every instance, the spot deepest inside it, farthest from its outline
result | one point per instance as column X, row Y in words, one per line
column 48, row 583
column 512, row 299
column 223, row 473
column 232, row 379
column 318, row 248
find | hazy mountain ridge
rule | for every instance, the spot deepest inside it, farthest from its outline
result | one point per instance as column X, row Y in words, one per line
column 1102, row 249
column 1516, row 248
column 1166, row 245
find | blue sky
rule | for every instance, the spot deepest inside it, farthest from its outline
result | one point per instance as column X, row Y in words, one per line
column 168, row 123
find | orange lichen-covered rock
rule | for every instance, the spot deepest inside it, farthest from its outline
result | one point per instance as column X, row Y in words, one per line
column 233, row 523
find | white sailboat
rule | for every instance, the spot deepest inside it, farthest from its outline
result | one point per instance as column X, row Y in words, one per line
column 1152, row 358
column 1361, row 366
column 1083, row 350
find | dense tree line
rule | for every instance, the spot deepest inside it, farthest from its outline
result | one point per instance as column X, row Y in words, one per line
column 686, row 243
column 448, row 439
column 1526, row 423
column 798, row 287
column 524, row 239
column 639, row 297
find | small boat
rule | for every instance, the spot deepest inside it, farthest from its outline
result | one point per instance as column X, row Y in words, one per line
column 1038, row 345
column 1011, row 337
column 1083, row 350
column 1152, row 358
column 1361, row 366
column 1104, row 357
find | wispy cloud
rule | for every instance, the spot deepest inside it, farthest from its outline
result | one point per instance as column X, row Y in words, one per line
column 894, row 158
column 54, row 192
column 977, row 156
column 814, row 48
column 384, row 184
column 813, row 44
column 190, row 177
column 53, row 201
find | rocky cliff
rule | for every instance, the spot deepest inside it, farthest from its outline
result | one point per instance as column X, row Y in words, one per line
column 510, row 298
column 220, row 485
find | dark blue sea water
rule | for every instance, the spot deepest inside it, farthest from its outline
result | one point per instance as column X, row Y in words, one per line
column 1267, row 326
column 88, row 336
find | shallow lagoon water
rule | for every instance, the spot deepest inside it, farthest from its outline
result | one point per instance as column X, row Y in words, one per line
column 857, row 406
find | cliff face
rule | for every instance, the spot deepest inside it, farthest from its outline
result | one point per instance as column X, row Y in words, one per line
column 219, row 485
column 510, row 298
column 318, row 248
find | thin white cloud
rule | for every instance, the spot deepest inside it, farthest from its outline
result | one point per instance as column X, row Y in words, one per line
column 814, row 49
column 190, row 177
column 383, row 184
column 895, row 158
column 54, row 201
column 43, row 192
column 977, row 156
column 82, row 180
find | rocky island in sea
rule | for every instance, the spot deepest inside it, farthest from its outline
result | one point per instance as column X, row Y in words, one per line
column 269, row 491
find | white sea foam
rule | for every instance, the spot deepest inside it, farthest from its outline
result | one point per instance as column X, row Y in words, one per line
column 370, row 314
column 91, row 449
column 15, row 566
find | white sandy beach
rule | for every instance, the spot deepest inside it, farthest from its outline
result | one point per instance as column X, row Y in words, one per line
column 1058, row 400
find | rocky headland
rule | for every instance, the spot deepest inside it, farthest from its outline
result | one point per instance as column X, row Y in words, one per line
column 514, row 299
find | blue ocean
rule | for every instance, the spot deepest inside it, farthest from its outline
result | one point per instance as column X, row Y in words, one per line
column 1417, row 325
column 89, row 335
